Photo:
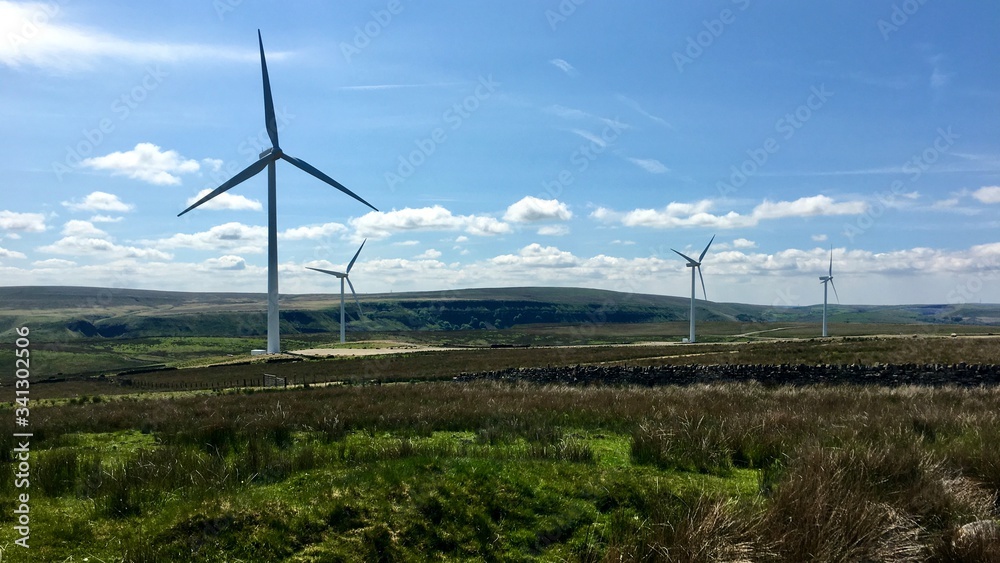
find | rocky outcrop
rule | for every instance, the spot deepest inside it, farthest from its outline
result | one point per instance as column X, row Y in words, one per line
column 970, row 375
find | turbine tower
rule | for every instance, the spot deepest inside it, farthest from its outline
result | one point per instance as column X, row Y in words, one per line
column 828, row 279
column 696, row 265
column 268, row 158
column 344, row 276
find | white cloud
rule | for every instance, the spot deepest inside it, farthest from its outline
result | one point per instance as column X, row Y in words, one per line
column 406, row 243
column 233, row 236
column 100, row 201
column 650, row 165
column 105, row 219
column 34, row 34
column 567, row 113
column 312, row 232
column 623, row 242
column 590, row 137
column 227, row 262
column 379, row 224
column 90, row 246
column 532, row 209
column 22, row 222
column 635, row 105
column 57, row 263
column 4, row 253
column 226, row 200
column 536, row 255
column 77, row 228
column 987, row 194
column 564, row 66
column 461, row 238
column 553, row 230
column 819, row 238
column 146, row 162
column 744, row 243
column 697, row 214
column 429, row 254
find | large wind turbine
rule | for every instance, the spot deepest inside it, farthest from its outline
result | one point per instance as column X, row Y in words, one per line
column 344, row 276
column 696, row 265
column 268, row 158
column 828, row 279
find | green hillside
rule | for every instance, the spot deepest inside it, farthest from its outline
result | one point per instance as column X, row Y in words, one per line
column 82, row 312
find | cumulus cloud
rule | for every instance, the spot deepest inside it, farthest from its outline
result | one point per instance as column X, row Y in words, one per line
column 429, row 254
column 5, row 253
column 233, row 236
column 536, row 255
column 697, row 214
column 532, row 209
column 105, row 219
column 227, row 262
column 987, row 194
column 54, row 263
column 99, row 201
column 819, row 238
column 744, row 243
column 380, row 224
column 77, row 228
column 22, row 222
column 226, row 200
column 650, row 165
column 312, row 232
column 146, row 162
column 91, row 246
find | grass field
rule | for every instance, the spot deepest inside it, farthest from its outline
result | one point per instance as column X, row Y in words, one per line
column 187, row 464
column 460, row 472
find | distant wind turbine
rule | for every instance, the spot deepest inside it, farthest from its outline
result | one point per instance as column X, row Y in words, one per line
column 344, row 276
column 828, row 279
column 268, row 158
column 696, row 265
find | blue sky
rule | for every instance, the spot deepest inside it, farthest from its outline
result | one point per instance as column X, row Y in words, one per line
column 511, row 143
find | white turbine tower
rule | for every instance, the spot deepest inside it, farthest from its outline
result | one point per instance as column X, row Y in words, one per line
column 696, row 265
column 828, row 279
column 268, row 159
column 344, row 276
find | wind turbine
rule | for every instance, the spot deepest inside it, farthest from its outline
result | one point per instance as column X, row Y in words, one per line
column 344, row 276
column 268, row 158
column 696, row 265
column 825, row 280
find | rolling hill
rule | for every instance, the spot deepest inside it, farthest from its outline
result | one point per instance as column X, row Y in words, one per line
column 112, row 312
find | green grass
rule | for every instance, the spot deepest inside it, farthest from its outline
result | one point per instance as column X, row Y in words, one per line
column 460, row 472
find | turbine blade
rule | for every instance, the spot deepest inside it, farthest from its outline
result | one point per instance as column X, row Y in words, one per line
column 248, row 172
column 362, row 313
column 831, row 261
column 834, row 286
column 702, row 257
column 308, row 168
column 703, row 292
column 351, row 265
column 688, row 258
column 269, row 121
column 331, row 272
